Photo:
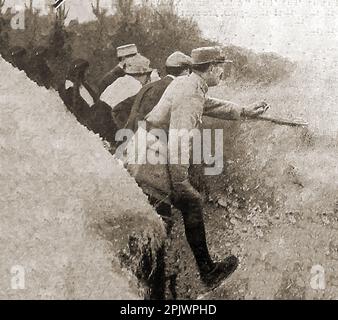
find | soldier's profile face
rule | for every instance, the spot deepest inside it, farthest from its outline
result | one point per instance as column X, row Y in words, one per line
column 185, row 72
column 215, row 75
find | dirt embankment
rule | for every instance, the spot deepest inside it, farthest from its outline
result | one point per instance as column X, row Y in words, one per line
column 73, row 223
column 276, row 204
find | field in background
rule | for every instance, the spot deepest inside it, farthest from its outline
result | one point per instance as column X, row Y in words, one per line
column 157, row 31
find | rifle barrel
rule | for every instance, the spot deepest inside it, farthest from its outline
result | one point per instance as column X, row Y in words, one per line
column 281, row 121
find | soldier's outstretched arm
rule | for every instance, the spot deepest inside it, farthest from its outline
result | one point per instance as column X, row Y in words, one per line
column 109, row 78
column 226, row 110
column 93, row 91
column 221, row 109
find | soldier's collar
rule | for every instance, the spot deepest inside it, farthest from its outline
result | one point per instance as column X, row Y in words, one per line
column 202, row 83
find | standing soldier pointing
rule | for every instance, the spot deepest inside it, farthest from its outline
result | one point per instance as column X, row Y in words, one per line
column 181, row 108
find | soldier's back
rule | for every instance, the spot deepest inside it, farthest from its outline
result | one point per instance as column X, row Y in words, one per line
column 179, row 96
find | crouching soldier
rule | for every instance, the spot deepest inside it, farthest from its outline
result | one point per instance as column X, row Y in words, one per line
column 181, row 108
column 121, row 95
column 123, row 53
column 82, row 100
column 77, row 94
column 41, row 73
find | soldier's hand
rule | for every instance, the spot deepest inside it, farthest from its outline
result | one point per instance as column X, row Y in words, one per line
column 255, row 109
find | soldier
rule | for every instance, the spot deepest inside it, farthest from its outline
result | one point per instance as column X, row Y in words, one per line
column 181, row 107
column 120, row 96
column 123, row 53
column 82, row 100
column 177, row 64
column 79, row 97
column 41, row 72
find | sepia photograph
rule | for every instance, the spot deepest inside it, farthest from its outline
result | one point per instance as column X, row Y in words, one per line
column 171, row 150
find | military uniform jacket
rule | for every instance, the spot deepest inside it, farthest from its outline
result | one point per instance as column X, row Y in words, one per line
column 122, row 89
column 182, row 106
column 146, row 100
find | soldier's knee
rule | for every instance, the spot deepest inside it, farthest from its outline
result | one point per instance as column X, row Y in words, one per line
column 190, row 204
column 192, row 210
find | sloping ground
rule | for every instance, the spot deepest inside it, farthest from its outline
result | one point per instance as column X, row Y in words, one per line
column 70, row 215
column 276, row 205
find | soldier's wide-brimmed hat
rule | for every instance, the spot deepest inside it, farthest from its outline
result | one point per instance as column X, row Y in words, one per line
column 208, row 55
column 178, row 59
column 126, row 50
column 137, row 64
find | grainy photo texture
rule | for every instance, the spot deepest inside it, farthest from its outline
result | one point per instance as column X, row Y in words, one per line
column 169, row 149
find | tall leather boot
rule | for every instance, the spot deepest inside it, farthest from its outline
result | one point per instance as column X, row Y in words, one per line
column 212, row 273
column 195, row 233
column 196, row 238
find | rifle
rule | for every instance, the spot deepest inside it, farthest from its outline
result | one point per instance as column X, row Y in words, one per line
column 282, row 121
